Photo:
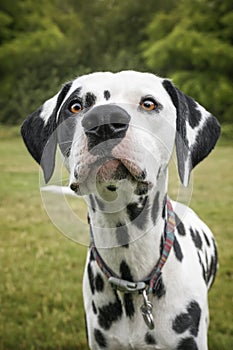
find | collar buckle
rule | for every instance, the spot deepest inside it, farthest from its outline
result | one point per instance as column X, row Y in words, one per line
column 127, row 286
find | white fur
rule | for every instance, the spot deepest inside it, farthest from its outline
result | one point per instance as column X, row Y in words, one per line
column 149, row 142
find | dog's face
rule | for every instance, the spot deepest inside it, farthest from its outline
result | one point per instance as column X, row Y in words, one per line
column 124, row 131
column 117, row 129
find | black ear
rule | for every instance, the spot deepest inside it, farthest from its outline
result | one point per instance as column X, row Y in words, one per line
column 197, row 131
column 39, row 132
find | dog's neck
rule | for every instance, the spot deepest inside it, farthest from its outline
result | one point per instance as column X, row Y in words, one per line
column 128, row 231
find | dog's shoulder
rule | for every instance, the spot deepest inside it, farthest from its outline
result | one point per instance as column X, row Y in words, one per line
column 191, row 231
column 188, row 221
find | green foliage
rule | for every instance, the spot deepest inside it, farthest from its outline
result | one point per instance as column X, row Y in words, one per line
column 45, row 43
column 193, row 45
column 227, row 133
column 32, row 63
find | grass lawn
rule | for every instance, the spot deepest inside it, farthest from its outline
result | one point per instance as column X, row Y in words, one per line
column 41, row 270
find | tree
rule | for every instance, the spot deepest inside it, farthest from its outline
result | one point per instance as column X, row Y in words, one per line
column 193, row 45
column 33, row 50
column 45, row 43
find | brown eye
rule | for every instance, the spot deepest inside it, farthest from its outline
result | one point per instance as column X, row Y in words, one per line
column 76, row 107
column 148, row 104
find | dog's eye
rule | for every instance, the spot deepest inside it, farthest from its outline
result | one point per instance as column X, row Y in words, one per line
column 148, row 104
column 75, row 107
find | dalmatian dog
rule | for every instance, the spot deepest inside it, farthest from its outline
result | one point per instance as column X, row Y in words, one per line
column 151, row 260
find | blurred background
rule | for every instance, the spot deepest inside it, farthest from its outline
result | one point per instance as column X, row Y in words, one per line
column 46, row 43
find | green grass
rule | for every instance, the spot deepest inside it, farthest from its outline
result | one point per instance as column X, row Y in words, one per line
column 41, row 270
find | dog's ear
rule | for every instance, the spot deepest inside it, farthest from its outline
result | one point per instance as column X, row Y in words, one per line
column 197, row 131
column 39, row 132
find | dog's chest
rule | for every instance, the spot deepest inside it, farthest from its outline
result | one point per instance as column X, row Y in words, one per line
column 115, row 320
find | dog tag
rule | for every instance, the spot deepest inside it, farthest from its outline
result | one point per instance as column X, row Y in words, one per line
column 146, row 310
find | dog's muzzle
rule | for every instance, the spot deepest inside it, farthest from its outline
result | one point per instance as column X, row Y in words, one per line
column 103, row 123
column 107, row 159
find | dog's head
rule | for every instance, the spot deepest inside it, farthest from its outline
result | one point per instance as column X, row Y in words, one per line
column 113, row 128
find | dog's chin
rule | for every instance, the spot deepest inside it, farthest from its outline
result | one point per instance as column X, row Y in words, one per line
column 111, row 176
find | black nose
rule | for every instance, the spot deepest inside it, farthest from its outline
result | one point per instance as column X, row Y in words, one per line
column 105, row 122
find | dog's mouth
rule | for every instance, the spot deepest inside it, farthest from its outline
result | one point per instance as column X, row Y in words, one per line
column 117, row 169
column 110, row 173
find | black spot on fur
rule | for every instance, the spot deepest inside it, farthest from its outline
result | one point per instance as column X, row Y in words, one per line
column 141, row 189
column 65, row 132
column 99, row 283
column 125, row 271
column 202, row 268
column 149, row 339
column 210, row 270
column 63, row 93
column 205, row 140
column 194, row 311
column 206, row 261
column 142, row 175
column 100, row 339
column 67, row 124
column 94, row 308
column 180, row 226
column 107, row 95
column 64, row 113
column 195, row 115
column 155, row 208
column 128, row 298
column 160, row 288
column 90, row 100
column 138, row 213
column 122, row 235
column 181, row 323
column 110, row 313
column 179, row 101
column 36, row 134
column 215, row 257
column 188, row 320
column 177, row 250
column 91, row 278
column 129, row 306
column 91, row 256
column 133, row 211
column 213, row 266
column 187, row 344
column 206, row 239
column 184, row 104
column 187, row 110
column 196, row 238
